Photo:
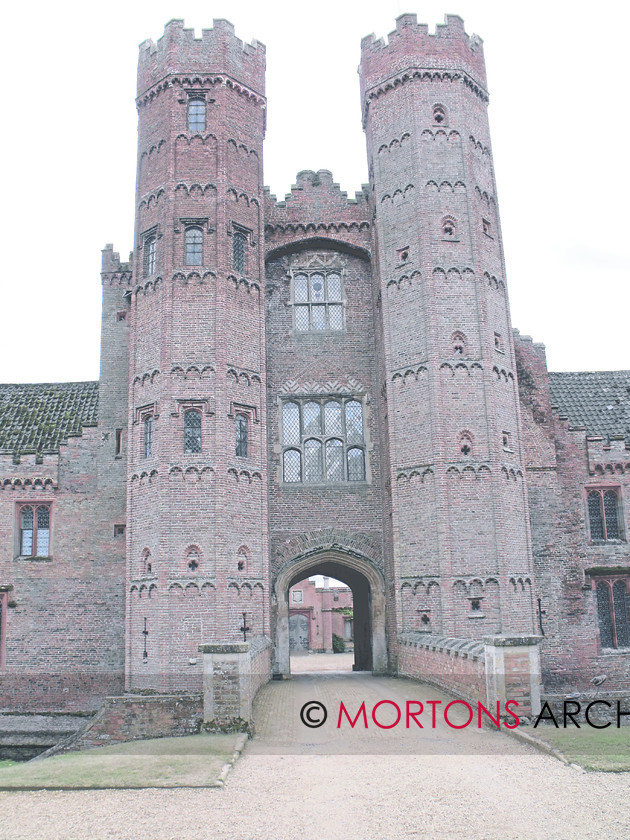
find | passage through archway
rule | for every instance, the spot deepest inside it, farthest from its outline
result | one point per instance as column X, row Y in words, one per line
column 368, row 608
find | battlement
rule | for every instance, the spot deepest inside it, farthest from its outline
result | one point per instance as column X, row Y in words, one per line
column 316, row 188
column 217, row 51
column 316, row 207
column 110, row 260
column 411, row 45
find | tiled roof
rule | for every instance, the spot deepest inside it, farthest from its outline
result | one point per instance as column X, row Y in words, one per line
column 38, row 418
column 599, row 400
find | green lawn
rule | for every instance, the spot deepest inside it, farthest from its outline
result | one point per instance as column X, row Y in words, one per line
column 191, row 761
column 593, row 749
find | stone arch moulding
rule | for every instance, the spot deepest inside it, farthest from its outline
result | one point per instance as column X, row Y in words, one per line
column 317, row 243
column 368, row 587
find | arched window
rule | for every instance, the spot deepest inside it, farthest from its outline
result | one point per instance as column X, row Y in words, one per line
column 334, row 460
column 466, row 444
column 34, row 530
column 603, row 514
column 192, row 431
column 449, row 227
column 150, row 246
column 292, row 464
column 613, row 612
column 147, row 443
column 147, row 563
column 242, row 435
column 313, row 467
column 239, row 242
column 321, row 436
column 194, row 246
column 439, row 114
column 196, row 114
column 458, row 343
column 193, row 558
column 356, row 464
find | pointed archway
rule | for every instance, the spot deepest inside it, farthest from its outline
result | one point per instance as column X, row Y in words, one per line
column 368, row 593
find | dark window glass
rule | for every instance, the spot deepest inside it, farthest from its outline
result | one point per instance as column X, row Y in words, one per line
column 192, row 431
column 621, row 603
column 194, row 246
column 610, row 515
column 148, row 437
column 196, row 115
column 603, row 514
column 241, row 435
column 238, row 251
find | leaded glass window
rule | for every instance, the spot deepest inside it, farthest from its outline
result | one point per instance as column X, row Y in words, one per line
column 26, row 532
column 196, row 114
column 323, row 439
column 238, row 251
column 603, row 514
column 150, row 246
column 194, row 246
column 613, row 612
column 292, row 463
column 242, row 435
column 356, row 464
column 317, row 301
column 313, row 468
column 34, row 522
column 147, row 443
column 192, row 431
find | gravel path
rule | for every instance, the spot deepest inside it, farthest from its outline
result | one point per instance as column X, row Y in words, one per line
column 467, row 784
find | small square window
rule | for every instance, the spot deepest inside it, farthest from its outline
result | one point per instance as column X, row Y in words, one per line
column 119, row 530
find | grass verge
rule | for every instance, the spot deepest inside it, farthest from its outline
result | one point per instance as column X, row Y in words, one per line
column 190, row 761
column 593, row 749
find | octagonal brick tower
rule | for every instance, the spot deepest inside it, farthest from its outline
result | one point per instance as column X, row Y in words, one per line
column 459, row 545
column 196, row 455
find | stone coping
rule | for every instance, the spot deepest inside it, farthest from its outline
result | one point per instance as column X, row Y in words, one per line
column 466, row 648
column 512, row 641
column 253, row 647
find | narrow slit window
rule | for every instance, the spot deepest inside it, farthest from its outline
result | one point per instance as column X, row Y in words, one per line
column 194, row 246
column 197, row 114
column 238, row 251
column 147, row 444
column 242, row 435
column 150, row 250
column 192, row 431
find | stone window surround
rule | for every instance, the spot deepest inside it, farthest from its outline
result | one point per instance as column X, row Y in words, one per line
column 601, row 489
column 19, row 507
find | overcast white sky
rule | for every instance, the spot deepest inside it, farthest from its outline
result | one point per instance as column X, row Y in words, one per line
column 559, row 117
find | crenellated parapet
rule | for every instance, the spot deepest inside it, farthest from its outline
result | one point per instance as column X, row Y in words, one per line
column 113, row 271
column 315, row 209
column 218, row 51
column 411, row 52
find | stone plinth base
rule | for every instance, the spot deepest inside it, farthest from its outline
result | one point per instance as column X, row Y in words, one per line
column 232, row 675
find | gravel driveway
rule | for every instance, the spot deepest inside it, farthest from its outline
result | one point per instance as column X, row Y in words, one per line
column 447, row 784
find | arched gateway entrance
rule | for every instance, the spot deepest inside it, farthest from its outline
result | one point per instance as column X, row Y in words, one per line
column 368, row 593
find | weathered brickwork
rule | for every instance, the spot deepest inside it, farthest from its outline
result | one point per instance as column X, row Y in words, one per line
column 321, row 384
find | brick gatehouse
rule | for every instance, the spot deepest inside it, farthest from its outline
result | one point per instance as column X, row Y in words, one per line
column 317, row 385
